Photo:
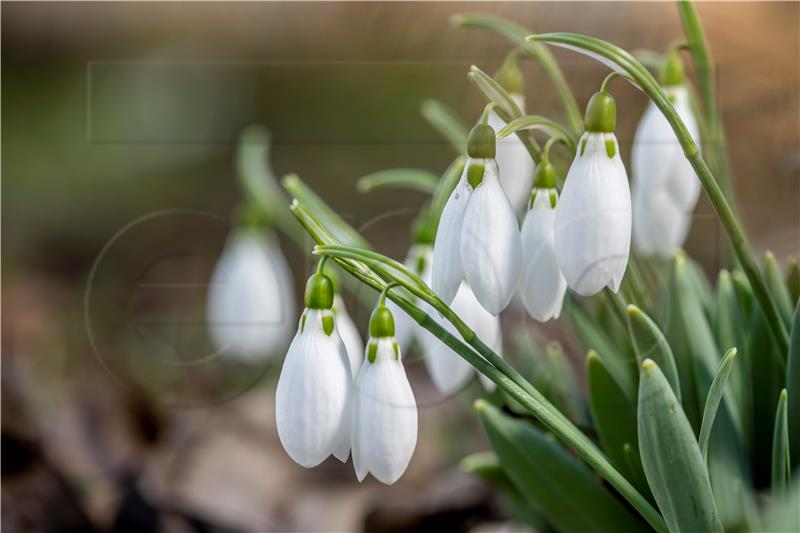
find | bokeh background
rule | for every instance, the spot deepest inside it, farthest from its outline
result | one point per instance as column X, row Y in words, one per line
column 119, row 133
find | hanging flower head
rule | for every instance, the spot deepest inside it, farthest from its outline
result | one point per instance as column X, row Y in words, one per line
column 513, row 159
column 542, row 286
column 385, row 412
column 313, row 398
column 478, row 236
column 665, row 186
column 250, row 301
column 593, row 217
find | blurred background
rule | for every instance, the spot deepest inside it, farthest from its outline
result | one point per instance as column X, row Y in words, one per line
column 119, row 134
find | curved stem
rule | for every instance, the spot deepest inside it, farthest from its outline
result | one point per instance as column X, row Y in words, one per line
column 725, row 213
column 608, row 79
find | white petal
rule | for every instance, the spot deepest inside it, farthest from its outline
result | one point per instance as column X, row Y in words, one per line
column 349, row 334
column 491, row 251
column 514, row 162
column 447, row 272
column 251, row 309
column 313, row 397
column 593, row 218
column 541, row 286
column 384, row 417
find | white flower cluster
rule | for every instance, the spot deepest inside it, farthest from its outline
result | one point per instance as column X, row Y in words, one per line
column 327, row 404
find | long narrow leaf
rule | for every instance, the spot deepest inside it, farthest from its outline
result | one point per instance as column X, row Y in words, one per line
column 714, row 397
column 793, row 387
column 793, row 280
column 399, row 178
column 777, row 286
column 650, row 343
column 568, row 494
column 445, row 121
column 672, row 460
column 780, row 447
column 614, row 416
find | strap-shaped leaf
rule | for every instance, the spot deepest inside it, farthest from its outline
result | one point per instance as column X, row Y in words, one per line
column 650, row 343
column 614, row 416
column 445, row 121
column 569, row 495
column 793, row 387
column 672, row 460
column 621, row 365
column 714, row 397
column 793, row 279
column 780, row 447
column 777, row 286
column 399, row 178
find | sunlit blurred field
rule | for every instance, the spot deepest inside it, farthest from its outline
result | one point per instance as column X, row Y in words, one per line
column 119, row 132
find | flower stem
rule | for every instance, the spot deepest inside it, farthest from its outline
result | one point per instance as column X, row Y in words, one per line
column 725, row 213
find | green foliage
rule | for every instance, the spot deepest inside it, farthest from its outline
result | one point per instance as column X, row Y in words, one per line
column 672, row 460
column 558, row 486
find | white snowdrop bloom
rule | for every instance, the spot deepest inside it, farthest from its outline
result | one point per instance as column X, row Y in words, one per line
column 665, row 187
column 384, row 430
column 447, row 273
column 349, row 334
column 478, row 236
column 491, row 249
column 514, row 161
column 448, row 370
column 313, row 397
column 250, row 302
column 541, row 286
column 593, row 217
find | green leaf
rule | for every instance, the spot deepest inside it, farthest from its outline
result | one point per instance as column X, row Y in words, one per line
column 777, row 286
column 399, row 178
column 731, row 331
column 793, row 279
column 793, row 387
column 781, row 469
column 620, row 364
column 445, row 121
column 614, row 417
column 672, row 460
column 569, row 496
column 713, row 399
column 650, row 343
column 487, row 466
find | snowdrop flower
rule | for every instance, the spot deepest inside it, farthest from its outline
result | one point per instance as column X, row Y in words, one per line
column 384, row 431
column 593, row 217
column 313, row 398
column 542, row 287
column 513, row 159
column 665, row 187
column 349, row 334
column 250, row 298
column 478, row 236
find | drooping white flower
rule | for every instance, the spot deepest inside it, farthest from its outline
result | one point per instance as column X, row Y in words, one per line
column 593, row 217
column 448, row 370
column 478, row 236
column 250, row 301
column 514, row 161
column 665, row 187
column 313, row 397
column 349, row 334
column 542, row 286
column 384, row 430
